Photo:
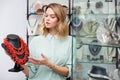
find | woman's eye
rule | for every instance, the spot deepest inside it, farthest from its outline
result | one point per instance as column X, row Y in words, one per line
column 52, row 17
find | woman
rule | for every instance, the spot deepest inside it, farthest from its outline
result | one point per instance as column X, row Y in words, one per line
column 50, row 52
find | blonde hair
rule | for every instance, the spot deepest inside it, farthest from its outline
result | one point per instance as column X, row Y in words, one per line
column 62, row 27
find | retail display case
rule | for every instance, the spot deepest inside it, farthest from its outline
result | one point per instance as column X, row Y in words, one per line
column 95, row 25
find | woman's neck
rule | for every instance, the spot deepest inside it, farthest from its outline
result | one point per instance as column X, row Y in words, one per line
column 53, row 31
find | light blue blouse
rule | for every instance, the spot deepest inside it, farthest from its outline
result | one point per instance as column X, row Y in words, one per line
column 58, row 52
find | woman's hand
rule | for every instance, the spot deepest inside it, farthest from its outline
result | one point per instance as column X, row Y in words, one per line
column 42, row 61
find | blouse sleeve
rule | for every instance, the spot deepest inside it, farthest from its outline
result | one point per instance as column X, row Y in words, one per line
column 31, row 67
column 71, row 56
column 32, row 70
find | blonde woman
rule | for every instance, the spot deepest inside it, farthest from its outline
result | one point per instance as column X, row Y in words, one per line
column 50, row 52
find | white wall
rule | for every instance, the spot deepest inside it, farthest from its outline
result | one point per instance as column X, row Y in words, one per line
column 12, row 20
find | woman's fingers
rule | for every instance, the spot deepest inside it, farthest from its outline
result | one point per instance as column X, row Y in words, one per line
column 34, row 60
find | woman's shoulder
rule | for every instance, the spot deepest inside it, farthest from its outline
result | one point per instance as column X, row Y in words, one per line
column 36, row 38
column 70, row 37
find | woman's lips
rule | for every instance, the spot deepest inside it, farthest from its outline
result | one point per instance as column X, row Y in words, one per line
column 47, row 23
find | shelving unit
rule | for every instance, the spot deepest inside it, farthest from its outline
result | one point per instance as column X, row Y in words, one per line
column 33, row 18
column 96, row 28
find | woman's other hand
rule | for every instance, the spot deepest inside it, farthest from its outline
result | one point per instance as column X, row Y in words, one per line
column 42, row 61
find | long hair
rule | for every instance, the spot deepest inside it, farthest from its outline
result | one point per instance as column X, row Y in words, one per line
column 62, row 26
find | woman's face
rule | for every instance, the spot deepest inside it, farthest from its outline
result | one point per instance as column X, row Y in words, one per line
column 50, row 19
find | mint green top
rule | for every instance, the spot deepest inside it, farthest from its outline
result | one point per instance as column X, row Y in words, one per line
column 58, row 52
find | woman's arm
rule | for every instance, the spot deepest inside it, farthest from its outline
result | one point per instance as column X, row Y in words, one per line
column 63, row 70
column 25, row 71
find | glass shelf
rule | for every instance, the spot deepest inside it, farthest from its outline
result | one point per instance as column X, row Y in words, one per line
column 34, row 14
column 98, row 14
column 103, row 45
column 88, row 40
column 95, row 62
